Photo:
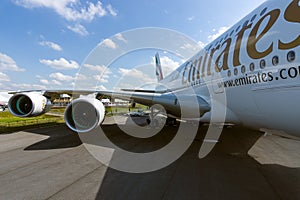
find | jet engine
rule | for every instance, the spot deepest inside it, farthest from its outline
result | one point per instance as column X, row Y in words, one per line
column 28, row 104
column 84, row 114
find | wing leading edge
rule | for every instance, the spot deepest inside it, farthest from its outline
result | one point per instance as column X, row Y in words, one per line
column 34, row 103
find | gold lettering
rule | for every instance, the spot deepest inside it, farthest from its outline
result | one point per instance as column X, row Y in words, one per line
column 183, row 75
column 224, row 53
column 291, row 14
column 194, row 69
column 190, row 71
column 290, row 45
column 254, row 37
column 236, row 54
column 203, row 64
column 198, row 67
column 210, row 59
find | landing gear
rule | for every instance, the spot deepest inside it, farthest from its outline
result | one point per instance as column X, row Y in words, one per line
column 2, row 108
column 157, row 116
column 171, row 121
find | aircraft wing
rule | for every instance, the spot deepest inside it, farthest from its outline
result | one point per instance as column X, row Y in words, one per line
column 141, row 96
column 34, row 103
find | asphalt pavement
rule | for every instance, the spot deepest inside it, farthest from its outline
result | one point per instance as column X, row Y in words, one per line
column 52, row 163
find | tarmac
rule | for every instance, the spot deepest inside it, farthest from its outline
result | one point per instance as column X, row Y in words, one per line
column 52, row 163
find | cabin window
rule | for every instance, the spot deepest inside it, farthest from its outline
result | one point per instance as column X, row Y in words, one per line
column 246, row 23
column 262, row 64
column 263, row 11
column 252, row 67
column 185, row 74
column 209, row 47
column 226, row 36
column 235, row 71
column 253, row 18
column 229, row 73
column 291, row 56
column 243, row 69
column 238, row 28
column 275, row 60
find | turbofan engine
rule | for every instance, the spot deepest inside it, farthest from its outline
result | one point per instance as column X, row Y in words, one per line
column 28, row 104
column 84, row 114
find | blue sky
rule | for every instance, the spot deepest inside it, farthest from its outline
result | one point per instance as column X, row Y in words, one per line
column 44, row 42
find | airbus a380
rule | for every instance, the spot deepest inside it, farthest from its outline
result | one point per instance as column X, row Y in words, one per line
column 255, row 64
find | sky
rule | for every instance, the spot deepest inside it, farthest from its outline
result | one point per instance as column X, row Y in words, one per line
column 49, row 44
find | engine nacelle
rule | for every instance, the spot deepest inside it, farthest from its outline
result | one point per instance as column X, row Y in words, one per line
column 84, row 114
column 28, row 104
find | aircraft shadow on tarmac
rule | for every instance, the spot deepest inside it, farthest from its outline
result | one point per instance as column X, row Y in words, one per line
column 228, row 172
column 59, row 137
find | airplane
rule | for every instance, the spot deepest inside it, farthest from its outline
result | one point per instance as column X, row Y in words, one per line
column 251, row 72
column 2, row 106
column 4, row 98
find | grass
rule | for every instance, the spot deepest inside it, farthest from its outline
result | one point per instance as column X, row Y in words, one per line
column 58, row 110
column 10, row 123
column 122, row 110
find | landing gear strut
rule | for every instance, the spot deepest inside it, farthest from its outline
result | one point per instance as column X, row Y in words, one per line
column 171, row 121
column 157, row 117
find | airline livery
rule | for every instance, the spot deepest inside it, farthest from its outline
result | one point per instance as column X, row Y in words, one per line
column 255, row 65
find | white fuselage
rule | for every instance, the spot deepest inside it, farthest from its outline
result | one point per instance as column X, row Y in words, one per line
column 255, row 65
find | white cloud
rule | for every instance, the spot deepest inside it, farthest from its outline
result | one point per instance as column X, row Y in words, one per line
column 201, row 44
column 120, row 37
column 71, row 10
column 135, row 75
column 219, row 32
column 58, row 76
column 61, row 77
column 191, row 18
column 25, row 86
column 79, row 29
column 101, row 78
column 191, row 47
column 100, row 87
column 98, row 68
column 51, row 45
column 80, row 77
column 102, row 72
column 134, row 78
column 61, row 64
column 111, row 10
column 4, row 77
column 109, row 43
column 44, row 81
column 55, row 82
column 8, row 64
column 168, row 65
